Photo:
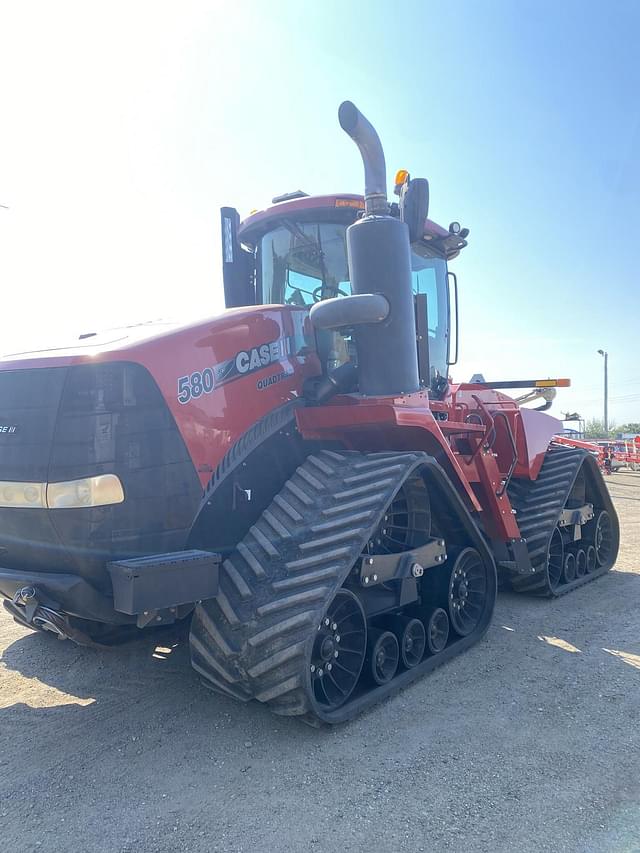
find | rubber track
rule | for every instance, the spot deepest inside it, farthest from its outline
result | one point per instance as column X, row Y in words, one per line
column 252, row 641
column 538, row 505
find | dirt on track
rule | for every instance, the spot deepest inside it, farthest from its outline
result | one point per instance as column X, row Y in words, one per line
column 530, row 742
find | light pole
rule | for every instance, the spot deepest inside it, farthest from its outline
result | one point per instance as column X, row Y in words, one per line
column 605, row 355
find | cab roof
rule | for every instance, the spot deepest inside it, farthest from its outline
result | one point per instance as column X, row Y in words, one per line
column 345, row 207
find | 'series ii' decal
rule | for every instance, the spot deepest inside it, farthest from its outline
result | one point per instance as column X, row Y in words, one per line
column 243, row 363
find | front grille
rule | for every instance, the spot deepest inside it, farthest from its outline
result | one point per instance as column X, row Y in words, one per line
column 29, row 402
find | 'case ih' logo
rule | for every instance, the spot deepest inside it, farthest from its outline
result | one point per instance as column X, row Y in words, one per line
column 244, row 362
column 8, row 428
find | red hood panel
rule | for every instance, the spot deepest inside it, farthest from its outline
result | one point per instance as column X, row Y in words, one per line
column 217, row 376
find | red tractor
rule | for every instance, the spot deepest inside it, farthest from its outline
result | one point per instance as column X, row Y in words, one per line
column 298, row 475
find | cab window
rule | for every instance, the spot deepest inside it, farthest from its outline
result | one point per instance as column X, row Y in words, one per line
column 303, row 262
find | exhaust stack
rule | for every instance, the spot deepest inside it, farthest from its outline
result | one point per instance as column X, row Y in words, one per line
column 379, row 255
column 365, row 137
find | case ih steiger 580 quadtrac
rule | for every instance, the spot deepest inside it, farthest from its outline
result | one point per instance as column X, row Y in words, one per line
column 297, row 475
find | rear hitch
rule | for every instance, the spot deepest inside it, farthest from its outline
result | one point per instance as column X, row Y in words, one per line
column 30, row 612
column 26, row 597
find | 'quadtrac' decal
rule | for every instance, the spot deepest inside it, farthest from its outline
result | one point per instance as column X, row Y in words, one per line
column 268, row 381
column 243, row 363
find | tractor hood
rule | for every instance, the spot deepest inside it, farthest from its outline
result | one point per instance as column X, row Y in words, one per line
column 94, row 344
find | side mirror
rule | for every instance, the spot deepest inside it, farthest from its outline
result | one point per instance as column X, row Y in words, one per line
column 414, row 206
column 237, row 264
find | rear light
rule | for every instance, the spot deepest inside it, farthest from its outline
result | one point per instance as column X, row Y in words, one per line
column 92, row 491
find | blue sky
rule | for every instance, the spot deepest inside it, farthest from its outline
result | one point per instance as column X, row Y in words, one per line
column 125, row 126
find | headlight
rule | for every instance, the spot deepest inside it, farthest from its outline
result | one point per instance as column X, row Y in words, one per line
column 93, row 491
column 22, row 494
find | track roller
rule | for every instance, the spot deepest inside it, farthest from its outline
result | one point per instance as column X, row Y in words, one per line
column 603, row 538
column 569, row 568
column 383, row 655
column 412, row 639
column 581, row 562
column 592, row 559
column 437, row 630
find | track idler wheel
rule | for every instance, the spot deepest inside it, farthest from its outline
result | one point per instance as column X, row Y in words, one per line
column 581, row 562
column 383, row 655
column 437, row 630
column 569, row 569
column 467, row 591
column 555, row 559
column 592, row 560
column 338, row 651
column 603, row 538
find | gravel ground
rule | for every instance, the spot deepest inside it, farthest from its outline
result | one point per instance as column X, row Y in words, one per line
column 528, row 742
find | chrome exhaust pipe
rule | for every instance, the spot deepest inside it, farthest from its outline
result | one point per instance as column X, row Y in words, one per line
column 365, row 137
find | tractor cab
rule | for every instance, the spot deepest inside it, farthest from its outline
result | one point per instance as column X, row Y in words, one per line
column 295, row 253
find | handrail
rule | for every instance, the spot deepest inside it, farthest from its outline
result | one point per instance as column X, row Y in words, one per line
column 491, row 430
column 514, row 448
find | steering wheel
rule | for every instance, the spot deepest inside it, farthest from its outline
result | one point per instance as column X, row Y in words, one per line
column 317, row 293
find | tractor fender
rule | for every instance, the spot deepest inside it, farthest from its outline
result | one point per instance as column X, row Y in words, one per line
column 250, row 473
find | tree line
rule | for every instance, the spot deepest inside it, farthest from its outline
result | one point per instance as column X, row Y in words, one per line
column 594, row 428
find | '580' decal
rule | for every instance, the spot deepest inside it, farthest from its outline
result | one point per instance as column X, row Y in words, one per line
column 204, row 381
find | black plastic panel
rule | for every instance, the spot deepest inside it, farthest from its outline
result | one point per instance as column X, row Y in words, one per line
column 29, row 401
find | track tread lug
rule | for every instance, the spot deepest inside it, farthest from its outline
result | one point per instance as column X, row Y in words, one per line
column 372, row 476
column 277, row 690
column 275, row 524
column 371, row 500
column 317, row 559
column 227, row 609
column 286, row 507
column 284, row 627
column 292, row 600
column 311, row 577
column 342, row 536
column 299, row 493
column 251, row 560
column 277, row 659
column 363, row 490
column 310, row 479
column 321, row 465
column 341, row 521
column 263, row 541
column 212, row 683
column 236, row 579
